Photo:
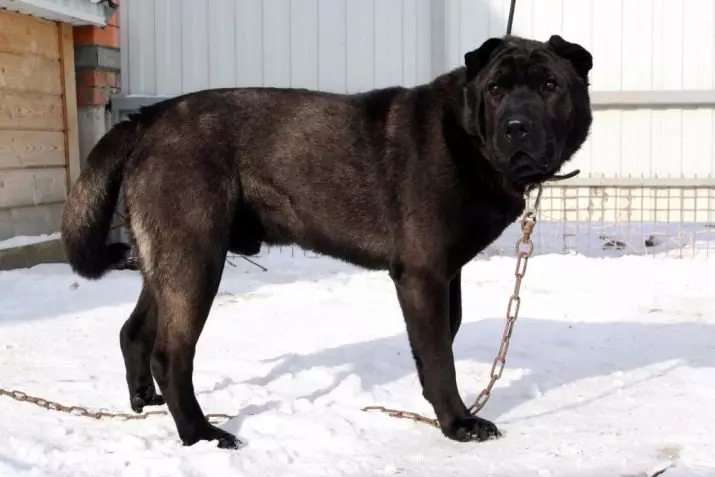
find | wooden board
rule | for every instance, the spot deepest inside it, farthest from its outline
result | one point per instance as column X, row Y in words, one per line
column 26, row 34
column 30, row 73
column 69, row 104
column 19, row 149
column 37, row 106
column 30, row 112
column 22, row 187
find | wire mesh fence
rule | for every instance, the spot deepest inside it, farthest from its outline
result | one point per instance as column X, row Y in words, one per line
column 661, row 219
column 603, row 221
column 611, row 221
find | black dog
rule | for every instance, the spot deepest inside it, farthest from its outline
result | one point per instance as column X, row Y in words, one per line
column 416, row 181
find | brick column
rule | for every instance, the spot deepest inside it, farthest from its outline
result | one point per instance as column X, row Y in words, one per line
column 97, row 69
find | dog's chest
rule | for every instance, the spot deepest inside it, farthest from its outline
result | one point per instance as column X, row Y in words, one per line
column 488, row 225
column 480, row 228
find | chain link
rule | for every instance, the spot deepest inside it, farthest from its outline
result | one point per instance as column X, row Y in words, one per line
column 524, row 248
column 403, row 415
column 84, row 412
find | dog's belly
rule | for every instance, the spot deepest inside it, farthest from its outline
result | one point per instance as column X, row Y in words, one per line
column 334, row 226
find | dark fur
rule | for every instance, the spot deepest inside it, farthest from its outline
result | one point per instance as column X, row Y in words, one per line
column 415, row 181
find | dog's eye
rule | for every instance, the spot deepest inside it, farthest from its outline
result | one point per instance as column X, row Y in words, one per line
column 494, row 88
column 550, row 86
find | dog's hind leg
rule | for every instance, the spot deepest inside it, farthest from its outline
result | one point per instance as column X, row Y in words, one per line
column 137, row 342
column 186, row 282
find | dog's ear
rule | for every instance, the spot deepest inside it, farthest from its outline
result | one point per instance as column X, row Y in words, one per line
column 579, row 56
column 477, row 59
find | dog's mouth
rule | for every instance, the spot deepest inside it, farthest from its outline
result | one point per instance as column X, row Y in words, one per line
column 524, row 164
column 526, row 169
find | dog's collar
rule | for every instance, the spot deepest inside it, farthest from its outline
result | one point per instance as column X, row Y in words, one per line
column 554, row 178
column 561, row 177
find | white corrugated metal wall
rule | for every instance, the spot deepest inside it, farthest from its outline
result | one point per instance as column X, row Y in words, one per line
column 658, row 46
column 175, row 46
column 638, row 45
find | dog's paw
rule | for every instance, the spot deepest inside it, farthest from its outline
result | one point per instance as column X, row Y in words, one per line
column 472, row 429
column 146, row 398
column 229, row 442
column 213, row 433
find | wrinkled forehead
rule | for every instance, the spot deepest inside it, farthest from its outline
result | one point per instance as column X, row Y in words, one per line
column 520, row 62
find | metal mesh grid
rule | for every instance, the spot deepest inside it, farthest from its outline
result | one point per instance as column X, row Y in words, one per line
column 607, row 221
column 604, row 221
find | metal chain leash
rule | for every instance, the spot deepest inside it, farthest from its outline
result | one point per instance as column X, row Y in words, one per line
column 84, row 412
column 524, row 248
column 413, row 416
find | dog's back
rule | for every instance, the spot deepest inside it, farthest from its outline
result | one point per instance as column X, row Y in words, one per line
column 322, row 170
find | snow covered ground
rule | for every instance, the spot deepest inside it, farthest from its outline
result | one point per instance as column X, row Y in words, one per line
column 611, row 372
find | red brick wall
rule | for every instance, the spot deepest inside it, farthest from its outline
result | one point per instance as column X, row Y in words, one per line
column 95, row 85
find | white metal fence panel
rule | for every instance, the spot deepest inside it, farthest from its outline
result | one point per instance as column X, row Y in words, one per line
column 647, row 180
column 171, row 47
column 645, row 45
column 176, row 46
column 638, row 45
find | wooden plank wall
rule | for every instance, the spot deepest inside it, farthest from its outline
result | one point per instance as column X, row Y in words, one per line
column 34, row 146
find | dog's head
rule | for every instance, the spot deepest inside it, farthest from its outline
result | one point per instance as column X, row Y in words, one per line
column 528, row 104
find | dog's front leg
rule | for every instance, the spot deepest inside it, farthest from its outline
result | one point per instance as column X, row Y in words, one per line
column 424, row 299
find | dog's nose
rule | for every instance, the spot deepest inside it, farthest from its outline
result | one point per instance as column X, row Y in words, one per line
column 517, row 129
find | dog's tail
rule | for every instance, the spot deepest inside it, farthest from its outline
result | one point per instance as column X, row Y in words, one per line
column 89, row 208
